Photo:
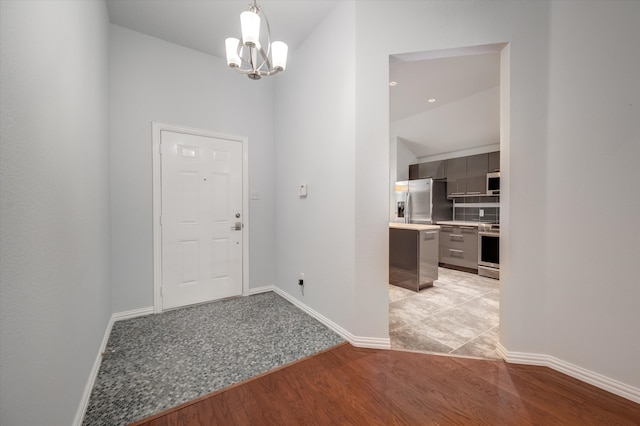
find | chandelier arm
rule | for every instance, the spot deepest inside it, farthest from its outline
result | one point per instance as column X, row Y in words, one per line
column 266, row 21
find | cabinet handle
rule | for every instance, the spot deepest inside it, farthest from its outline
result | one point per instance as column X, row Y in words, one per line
column 468, row 227
column 457, row 236
column 458, row 193
column 474, row 193
column 456, row 252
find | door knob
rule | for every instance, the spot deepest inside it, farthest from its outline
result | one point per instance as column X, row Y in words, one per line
column 237, row 226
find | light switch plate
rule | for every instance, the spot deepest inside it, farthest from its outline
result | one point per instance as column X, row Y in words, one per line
column 302, row 190
column 254, row 195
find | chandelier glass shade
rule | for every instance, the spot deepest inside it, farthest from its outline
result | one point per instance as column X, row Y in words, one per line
column 248, row 55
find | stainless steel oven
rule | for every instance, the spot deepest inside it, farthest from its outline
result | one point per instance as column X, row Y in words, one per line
column 489, row 250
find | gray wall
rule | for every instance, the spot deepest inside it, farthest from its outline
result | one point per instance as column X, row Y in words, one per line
column 315, row 137
column 569, row 287
column 55, row 301
column 564, row 294
column 568, row 290
column 152, row 80
column 592, row 290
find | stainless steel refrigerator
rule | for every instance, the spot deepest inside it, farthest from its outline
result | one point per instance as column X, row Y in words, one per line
column 422, row 201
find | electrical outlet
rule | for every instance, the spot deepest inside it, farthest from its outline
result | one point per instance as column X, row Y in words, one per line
column 301, row 279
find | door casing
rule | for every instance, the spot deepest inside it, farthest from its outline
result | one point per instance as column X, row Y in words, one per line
column 157, row 128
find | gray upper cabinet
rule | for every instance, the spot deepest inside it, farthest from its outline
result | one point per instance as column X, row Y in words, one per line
column 414, row 171
column 467, row 176
column 494, row 161
column 433, row 170
column 456, row 177
column 477, row 167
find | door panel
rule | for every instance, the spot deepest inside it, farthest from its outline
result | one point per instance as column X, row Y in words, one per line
column 188, row 182
column 201, row 196
column 220, row 258
column 189, row 262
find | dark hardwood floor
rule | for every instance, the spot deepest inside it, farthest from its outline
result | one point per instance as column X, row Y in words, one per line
column 354, row 386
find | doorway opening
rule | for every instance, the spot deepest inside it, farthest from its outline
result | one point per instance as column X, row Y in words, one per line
column 451, row 108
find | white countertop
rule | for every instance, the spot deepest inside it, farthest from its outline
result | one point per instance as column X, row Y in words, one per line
column 459, row 223
column 413, row 226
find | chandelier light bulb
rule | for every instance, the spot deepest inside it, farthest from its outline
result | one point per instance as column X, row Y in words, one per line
column 250, row 23
column 279, row 51
column 233, row 60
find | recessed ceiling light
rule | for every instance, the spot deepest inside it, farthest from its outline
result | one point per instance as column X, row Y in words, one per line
column 393, row 83
column 432, row 100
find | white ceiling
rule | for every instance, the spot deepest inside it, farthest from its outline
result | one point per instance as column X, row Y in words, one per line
column 466, row 113
column 203, row 25
column 464, row 81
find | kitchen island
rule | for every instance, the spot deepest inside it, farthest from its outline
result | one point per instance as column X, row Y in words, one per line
column 413, row 255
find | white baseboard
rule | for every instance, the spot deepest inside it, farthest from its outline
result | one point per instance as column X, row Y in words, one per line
column 258, row 290
column 362, row 342
column 598, row 380
column 119, row 316
column 84, row 402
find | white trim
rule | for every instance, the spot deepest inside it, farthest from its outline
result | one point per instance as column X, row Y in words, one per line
column 118, row 316
column 84, row 401
column 359, row 341
column 258, row 290
column 618, row 388
column 157, row 203
column 134, row 313
column 371, row 342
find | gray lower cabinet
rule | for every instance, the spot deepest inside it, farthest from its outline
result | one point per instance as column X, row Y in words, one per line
column 413, row 258
column 459, row 246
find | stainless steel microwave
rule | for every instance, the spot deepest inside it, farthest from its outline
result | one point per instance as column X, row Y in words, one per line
column 493, row 183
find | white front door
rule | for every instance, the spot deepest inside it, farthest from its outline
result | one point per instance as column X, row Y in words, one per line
column 201, row 218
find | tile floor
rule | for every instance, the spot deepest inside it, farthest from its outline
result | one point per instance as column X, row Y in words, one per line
column 458, row 315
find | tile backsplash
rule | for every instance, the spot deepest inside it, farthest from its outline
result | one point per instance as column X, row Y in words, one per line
column 468, row 209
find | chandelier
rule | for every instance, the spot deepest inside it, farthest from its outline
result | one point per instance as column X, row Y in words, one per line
column 247, row 56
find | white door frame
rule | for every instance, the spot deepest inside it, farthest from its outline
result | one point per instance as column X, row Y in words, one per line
column 157, row 204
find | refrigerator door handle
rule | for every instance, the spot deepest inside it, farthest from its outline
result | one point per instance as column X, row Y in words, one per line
column 407, row 210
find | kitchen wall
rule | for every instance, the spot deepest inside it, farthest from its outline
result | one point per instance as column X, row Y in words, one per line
column 152, row 80
column 55, row 299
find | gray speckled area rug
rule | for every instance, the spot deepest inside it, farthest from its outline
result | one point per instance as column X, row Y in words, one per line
column 156, row 362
